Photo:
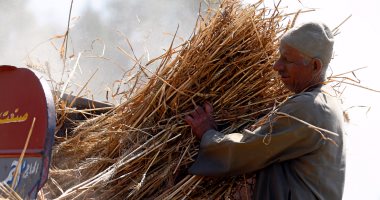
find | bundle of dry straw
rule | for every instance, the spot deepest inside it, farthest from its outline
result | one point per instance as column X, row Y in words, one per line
column 143, row 148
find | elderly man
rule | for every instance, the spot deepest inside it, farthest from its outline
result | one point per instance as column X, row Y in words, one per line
column 295, row 160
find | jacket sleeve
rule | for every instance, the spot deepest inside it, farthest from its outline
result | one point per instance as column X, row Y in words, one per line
column 240, row 153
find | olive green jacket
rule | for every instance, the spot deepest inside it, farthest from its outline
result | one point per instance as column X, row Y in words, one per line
column 299, row 163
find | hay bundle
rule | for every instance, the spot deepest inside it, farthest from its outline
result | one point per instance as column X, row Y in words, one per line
column 143, row 148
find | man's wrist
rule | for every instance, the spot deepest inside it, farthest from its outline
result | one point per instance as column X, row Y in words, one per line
column 211, row 136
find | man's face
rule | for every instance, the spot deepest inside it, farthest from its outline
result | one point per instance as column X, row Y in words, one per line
column 295, row 69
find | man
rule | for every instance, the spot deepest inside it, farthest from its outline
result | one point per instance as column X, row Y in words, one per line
column 298, row 153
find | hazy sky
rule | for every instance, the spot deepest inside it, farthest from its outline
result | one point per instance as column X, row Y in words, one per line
column 28, row 25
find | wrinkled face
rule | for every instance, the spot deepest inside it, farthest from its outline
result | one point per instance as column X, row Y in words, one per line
column 295, row 69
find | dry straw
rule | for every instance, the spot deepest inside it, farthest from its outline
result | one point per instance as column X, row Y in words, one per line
column 143, row 148
column 7, row 192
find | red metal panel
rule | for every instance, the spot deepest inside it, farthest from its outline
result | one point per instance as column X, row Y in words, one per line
column 24, row 95
column 21, row 99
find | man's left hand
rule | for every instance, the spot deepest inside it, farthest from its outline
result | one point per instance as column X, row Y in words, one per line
column 201, row 120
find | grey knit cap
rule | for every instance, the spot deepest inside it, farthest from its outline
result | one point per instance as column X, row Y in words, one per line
column 313, row 39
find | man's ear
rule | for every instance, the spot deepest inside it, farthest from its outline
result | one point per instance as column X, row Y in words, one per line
column 317, row 65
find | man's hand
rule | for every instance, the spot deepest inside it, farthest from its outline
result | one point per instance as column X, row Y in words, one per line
column 201, row 120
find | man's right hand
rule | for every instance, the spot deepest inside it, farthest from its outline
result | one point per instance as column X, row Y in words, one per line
column 201, row 120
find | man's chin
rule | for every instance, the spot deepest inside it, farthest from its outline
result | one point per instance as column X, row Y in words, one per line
column 285, row 82
column 290, row 87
